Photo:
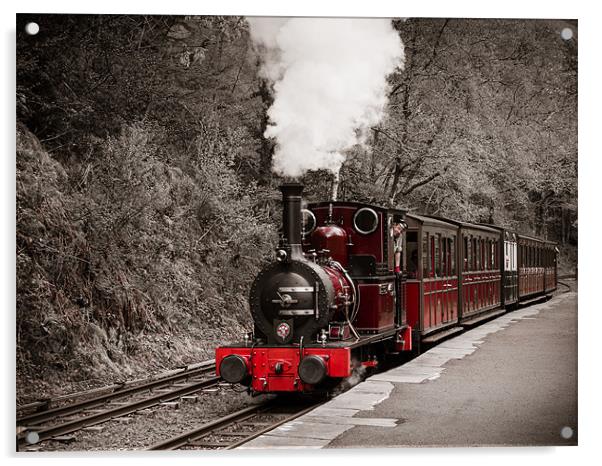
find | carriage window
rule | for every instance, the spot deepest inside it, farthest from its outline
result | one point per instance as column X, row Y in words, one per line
column 477, row 249
column 452, row 249
column 513, row 258
column 543, row 257
column 482, row 253
column 425, row 255
column 471, row 253
column 438, row 256
column 443, row 256
column 412, row 254
column 466, row 254
column 485, row 265
column 444, row 259
column 447, row 270
column 434, row 256
column 496, row 254
column 483, row 256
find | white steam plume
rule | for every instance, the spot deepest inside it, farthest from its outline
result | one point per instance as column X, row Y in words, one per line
column 329, row 83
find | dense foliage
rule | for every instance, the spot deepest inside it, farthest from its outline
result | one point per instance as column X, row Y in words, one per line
column 145, row 201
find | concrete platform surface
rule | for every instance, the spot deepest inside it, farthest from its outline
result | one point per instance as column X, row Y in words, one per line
column 485, row 387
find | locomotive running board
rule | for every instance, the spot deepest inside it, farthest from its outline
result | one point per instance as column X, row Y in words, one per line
column 439, row 336
column 481, row 317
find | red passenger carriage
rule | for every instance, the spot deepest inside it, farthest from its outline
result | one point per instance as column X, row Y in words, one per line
column 537, row 266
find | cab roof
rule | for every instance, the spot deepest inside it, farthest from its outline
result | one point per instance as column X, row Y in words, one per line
column 356, row 204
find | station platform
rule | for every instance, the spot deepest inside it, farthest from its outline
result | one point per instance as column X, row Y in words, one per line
column 509, row 382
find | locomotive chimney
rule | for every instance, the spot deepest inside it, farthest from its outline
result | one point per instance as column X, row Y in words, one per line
column 291, row 217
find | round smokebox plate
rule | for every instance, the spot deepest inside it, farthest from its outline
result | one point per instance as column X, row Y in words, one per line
column 233, row 368
column 312, row 369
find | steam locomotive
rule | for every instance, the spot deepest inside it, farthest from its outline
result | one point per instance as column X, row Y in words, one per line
column 333, row 300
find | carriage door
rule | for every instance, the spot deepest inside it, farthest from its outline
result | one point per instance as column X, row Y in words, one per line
column 452, row 280
column 441, row 284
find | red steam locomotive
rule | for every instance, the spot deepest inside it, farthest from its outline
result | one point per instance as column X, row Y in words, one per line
column 334, row 298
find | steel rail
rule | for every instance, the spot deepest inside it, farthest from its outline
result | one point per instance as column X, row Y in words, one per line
column 187, row 437
column 213, row 426
column 272, row 427
column 98, row 418
column 116, row 387
column 44, row 416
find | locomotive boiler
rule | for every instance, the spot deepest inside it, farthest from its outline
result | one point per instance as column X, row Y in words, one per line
column 298, row 295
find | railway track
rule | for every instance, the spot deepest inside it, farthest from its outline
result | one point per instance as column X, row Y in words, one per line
column 52, row 423
column 237, row 428
column 101, row 405
column 46, row 404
